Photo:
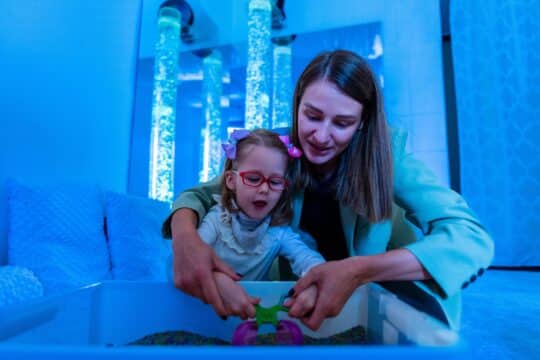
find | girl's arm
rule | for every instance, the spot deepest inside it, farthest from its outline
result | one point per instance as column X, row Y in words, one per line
column 296, row 251
column 234, row 298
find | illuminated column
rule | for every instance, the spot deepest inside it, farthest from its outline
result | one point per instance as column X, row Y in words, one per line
column 211, row 152
column 282, row 83
column 258, row 64
column 164, row 105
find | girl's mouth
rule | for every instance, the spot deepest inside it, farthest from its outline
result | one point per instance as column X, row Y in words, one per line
column 259, row 204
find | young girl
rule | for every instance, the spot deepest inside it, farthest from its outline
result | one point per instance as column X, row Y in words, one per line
column 247, row 228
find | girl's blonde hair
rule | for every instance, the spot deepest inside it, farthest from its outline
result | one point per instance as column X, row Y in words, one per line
column 282, row 212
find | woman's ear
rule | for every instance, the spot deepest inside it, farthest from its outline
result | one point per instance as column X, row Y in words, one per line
column 230, row 180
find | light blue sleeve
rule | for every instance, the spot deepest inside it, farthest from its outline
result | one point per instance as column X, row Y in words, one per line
column 300, row 255
column 454, row 248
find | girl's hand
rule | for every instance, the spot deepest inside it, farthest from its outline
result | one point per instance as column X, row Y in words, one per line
column 335, row 282
column 234, row 298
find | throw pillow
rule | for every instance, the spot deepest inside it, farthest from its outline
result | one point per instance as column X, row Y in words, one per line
column 138, row 251
column 57, row 233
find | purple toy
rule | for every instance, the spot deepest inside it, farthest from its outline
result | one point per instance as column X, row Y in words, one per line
column 287, row 332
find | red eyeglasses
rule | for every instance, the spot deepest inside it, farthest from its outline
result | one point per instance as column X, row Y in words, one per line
column 256, row 179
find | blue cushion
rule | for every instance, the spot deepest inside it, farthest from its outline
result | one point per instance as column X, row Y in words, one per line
column 18, row 284
column 57, row 233
column 138, row 251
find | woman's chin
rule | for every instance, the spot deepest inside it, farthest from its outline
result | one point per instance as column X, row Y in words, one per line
column 318, row 159
column 322, row 164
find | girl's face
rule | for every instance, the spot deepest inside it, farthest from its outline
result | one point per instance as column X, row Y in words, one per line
column 327, row 121
column 258, row 163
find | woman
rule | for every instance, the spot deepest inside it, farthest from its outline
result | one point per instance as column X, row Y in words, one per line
column 358, row 194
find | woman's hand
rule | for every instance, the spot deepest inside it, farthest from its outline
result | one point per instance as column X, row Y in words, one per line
column 194, row 262
column 335, row 282
column 235, row 299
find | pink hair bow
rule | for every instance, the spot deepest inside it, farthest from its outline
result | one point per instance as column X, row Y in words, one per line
column 230, row 146
column 291, row 149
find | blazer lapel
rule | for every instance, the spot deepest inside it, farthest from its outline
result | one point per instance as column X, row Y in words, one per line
column 363, row 238
column 348, row 222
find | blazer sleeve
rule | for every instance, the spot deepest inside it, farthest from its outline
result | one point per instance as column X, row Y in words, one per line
column 198, row 199
column 453, row 246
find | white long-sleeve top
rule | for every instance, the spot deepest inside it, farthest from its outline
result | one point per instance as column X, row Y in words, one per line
column 251, row 253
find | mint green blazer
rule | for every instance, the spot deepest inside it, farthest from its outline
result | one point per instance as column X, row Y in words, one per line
column 429, row 219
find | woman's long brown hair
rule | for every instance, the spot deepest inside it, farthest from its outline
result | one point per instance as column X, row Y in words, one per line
column 365, row 171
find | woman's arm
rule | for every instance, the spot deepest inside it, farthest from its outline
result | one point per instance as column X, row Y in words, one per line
column 453, row 246
column 194, row 261
column 199, row 199
column 393, row 265
column 337, row 280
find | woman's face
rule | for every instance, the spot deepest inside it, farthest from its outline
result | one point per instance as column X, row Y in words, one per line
column 327, row 121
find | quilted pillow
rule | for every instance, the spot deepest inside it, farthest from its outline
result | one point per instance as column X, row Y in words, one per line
column 18, row 284
column 57, row 233
column 138, row 251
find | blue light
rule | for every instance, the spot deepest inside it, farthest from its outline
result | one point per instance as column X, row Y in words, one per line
column 282, row 89
column 164, row 106
column 211, row 133
column 258, row 65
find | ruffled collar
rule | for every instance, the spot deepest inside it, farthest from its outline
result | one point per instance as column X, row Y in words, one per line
column 242, row 239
